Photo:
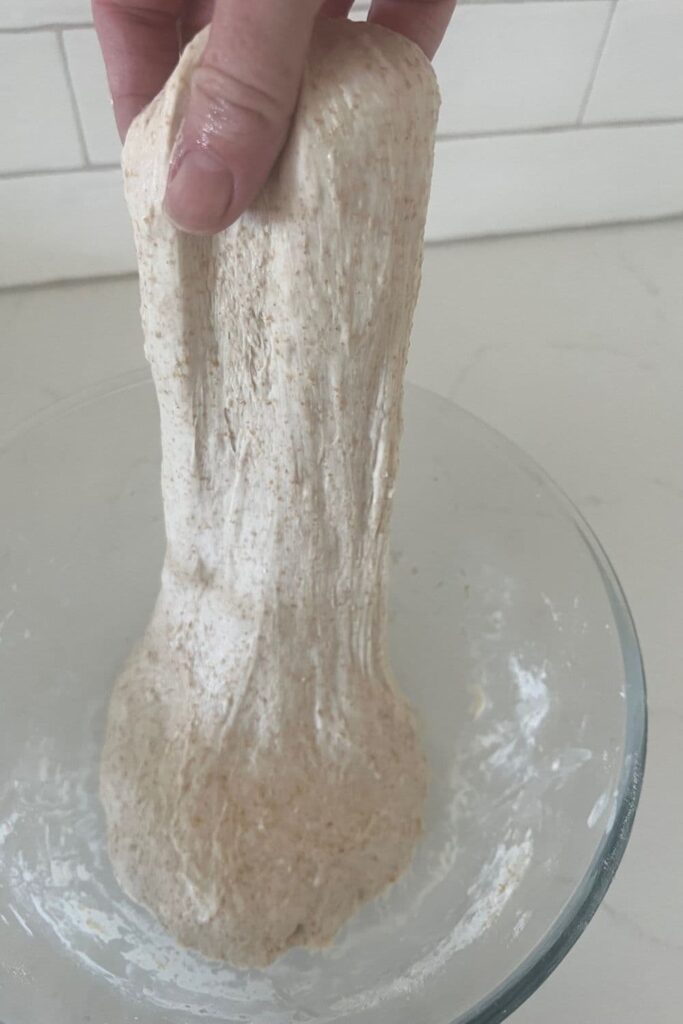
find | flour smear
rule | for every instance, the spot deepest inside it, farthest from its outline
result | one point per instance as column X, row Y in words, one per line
column 486, row 834
column 57, row 873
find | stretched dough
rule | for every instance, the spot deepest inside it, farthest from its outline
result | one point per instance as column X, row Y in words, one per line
column 261, row 774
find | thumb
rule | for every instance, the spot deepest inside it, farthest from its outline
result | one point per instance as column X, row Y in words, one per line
column 242, row 97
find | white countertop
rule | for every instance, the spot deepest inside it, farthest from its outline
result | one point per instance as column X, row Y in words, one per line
column 571, row 344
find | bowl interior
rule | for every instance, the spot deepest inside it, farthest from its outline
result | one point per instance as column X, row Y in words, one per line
column 510, row 636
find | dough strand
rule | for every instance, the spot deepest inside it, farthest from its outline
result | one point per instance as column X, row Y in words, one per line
column 261, row 774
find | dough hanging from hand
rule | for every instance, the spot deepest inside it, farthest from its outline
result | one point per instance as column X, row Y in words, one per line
column 261, row 774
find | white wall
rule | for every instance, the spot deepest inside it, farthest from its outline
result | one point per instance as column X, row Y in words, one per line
column 555, row 113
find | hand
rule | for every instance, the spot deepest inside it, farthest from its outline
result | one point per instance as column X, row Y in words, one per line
column 244, row 92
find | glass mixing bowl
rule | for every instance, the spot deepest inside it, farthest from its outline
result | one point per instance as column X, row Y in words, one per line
column 510, row 634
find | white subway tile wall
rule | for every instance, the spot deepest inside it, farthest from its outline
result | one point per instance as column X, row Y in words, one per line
column 32, row 13
column 61, row 226
column 537, row 129
column 86, row 68
column 505, row 68
column 538, row 181
column 39, row 128
column 641, row 72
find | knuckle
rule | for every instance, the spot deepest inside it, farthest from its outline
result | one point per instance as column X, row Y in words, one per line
column 234, row 106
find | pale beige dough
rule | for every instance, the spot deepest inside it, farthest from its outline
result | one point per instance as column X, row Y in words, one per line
column 261, row 774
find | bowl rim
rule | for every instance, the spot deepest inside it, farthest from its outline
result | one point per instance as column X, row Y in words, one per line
column 538, row 965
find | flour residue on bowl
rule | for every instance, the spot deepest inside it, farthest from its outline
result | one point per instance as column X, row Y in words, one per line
column 533, row 702
column 500, row 745
column 487, row 898
column 509, row 741
column 463, row 887
column 489, row 894
column 54, row 865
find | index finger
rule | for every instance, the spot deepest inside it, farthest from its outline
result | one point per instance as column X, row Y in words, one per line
column 140, row 44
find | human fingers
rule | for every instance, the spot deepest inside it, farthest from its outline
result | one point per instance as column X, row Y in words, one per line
column 423, row 21
column 139, row 40
column 196, row 15
column 242, row 97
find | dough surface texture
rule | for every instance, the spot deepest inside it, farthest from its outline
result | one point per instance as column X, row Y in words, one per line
column 261, row 773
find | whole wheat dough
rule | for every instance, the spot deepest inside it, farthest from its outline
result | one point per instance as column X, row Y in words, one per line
column 261, row 774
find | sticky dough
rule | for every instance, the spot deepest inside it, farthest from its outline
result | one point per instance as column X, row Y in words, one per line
column 261, row 773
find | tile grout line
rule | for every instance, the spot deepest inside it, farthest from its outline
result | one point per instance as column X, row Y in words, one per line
column 74, row 99
column 596, row 67
column 662, row 122
column 69, row 282
column 131, row 275
column 561, row 129
column 51, row 172
column 53, row 26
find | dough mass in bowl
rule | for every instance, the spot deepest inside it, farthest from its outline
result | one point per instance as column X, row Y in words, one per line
column 261, row 773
